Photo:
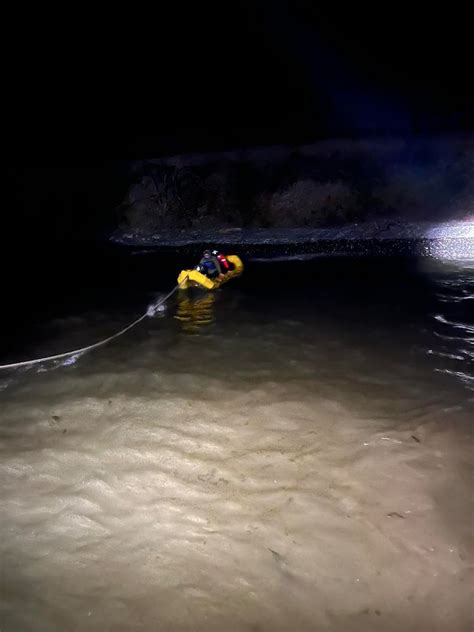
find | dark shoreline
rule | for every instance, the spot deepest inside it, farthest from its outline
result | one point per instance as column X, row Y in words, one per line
column 391, row 238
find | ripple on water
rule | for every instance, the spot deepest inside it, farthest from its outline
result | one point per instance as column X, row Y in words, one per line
column 182, row 482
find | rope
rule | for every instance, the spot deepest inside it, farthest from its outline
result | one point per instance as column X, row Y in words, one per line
column 97, row 344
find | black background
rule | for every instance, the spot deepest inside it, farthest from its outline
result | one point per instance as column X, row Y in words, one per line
column 84, row 84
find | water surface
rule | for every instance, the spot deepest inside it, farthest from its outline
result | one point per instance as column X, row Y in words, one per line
column 292, row 452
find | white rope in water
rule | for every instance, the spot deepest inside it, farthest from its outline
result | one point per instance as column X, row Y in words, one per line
column 97, row 344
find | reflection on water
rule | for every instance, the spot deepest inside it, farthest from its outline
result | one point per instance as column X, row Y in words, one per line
column 301, row 462
column 454, row 327
column 195, row 311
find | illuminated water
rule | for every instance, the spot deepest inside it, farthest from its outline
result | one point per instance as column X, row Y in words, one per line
column 295, row 456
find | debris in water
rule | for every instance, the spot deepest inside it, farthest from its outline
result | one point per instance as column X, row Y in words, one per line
column 392, row 514
column 276, row 555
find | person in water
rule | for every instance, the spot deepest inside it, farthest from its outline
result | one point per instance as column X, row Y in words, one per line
column 209, row 265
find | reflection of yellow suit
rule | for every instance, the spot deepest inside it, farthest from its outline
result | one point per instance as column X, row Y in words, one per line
column 196, row 313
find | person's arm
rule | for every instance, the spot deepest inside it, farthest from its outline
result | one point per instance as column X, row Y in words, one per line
column 217, row 264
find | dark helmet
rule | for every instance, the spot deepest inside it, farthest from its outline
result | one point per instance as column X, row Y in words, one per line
column 207, row 253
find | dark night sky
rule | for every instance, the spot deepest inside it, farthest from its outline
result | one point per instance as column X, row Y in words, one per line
column 199, row 76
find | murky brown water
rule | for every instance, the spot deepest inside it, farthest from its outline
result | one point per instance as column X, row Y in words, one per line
column 283, row 460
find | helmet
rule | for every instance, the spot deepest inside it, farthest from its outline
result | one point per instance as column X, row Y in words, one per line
column 207, row 253
column 215, row 253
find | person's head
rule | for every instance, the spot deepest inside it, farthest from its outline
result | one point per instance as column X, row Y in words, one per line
column 206, row 254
